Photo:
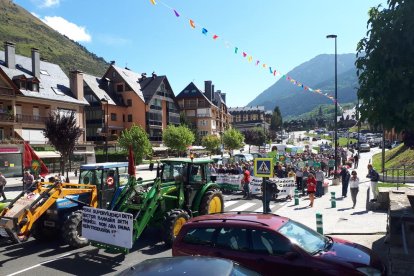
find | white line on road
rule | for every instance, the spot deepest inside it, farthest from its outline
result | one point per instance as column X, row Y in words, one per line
column 42, row 263
column 229, row 203
column 261, row 209
column 243, row 207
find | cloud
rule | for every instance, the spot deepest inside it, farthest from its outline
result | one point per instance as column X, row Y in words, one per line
column 49, row 3
column 71, row 30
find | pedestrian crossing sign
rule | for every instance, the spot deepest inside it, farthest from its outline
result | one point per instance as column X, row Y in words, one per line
column 263, row 167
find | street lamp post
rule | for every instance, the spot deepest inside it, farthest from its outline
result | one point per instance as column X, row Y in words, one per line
column 336, row 101
column 106, row 118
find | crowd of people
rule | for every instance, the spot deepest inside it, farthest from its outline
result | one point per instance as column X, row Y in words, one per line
column 309, row 169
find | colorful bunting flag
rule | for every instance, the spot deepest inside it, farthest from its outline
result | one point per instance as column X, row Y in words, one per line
column 153, row 2
column 176, row 13
column 215, row 37
column 244, row 54
column 257, row 62
column 192, row 24
column 204, row 31
column 235, row 50
column 250, row 58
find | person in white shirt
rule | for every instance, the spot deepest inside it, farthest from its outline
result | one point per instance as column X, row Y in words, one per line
column 353, row 186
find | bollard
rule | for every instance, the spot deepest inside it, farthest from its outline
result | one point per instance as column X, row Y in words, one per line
column 333, row 200
column 296, row 197
column 319, row 223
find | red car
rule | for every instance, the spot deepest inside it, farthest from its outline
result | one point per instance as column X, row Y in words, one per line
column 274, row 245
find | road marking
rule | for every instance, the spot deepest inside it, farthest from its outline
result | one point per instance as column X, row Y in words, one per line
column 229, row 203
column 261, row 209
column 243, row 207
column 40, row 264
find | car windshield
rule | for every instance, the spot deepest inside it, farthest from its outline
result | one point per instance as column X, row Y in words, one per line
column 309, row 240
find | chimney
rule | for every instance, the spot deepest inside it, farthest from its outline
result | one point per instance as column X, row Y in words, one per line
column 35, row 63
column 207, row 89
column 10, row 53
column 76, row 84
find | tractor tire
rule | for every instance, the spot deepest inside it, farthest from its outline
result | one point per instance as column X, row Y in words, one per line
column 72, row 231
column 173, row 221
column 43, row 233
column 212, row 202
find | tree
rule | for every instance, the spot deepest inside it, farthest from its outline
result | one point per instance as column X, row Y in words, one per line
column 255, row 136
column 276, row 120
column 138, row 138
column 62, row 132
column 211, row 142
column 385, row 68
column 186, row 122
column 232, row 139
column 178, row 137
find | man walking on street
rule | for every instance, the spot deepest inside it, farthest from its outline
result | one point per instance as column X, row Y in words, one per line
column 3, row 183
column 356, row 159
column 320, row 177
column 246, row 182
column 374, row 177
column 345, row 180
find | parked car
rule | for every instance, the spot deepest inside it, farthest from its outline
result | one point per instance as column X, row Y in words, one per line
column 387, row 144
column 243, row 157
column 364, row 147
column 258, row 155
column 274, row 245
column 193, row 265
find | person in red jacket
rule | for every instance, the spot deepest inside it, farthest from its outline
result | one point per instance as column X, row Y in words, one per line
column 311, row 183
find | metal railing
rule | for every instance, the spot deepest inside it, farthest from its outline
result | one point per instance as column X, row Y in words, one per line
column 30, row 119
column 399, row 175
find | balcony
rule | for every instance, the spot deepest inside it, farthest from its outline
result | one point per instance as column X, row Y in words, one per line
column 4, row 117
column 204, row 115
column 30, row 119
column 155, row 107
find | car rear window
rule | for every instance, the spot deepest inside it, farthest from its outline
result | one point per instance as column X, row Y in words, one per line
column 203, row 236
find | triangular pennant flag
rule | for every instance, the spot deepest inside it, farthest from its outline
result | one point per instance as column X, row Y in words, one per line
column 153, row 2
column 274, row 73
column 264, row 65
column 244, row 54
column 215, row 36
column 235, row 50
column 204, row 31
column 250, row 58
column 176, row 13
column 270, row 69
column 192, row 24
column 257, row 62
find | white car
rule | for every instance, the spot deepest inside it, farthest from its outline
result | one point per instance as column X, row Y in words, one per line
column 364, row 147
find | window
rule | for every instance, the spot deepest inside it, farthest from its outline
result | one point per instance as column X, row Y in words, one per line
column 44, row 72
column 202, row 236
column 129, row 102
column 129, row 117
column 58, row 91
column 233, row 238
column 119, row 88
column 269, row 243
column 113, row 116
column 123, row 118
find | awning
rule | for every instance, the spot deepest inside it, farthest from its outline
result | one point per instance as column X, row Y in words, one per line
column 160, row 148
column 48, row 154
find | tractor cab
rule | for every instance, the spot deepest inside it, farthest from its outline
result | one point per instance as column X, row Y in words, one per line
column 107, row 177
column 192, row 174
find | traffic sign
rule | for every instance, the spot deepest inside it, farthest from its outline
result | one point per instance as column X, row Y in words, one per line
column 263, row 167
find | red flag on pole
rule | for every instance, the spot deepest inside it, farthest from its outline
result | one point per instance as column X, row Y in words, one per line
column 29, row 155
column 131, row 162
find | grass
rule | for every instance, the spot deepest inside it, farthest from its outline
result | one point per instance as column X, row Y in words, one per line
column 391, row 185
column 396, row 158
column 342, row 142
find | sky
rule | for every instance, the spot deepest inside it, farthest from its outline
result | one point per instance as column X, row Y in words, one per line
column 150, row 38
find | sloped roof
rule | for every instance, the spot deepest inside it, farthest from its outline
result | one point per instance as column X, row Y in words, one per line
column 52, row 78
column 150, row 85
column 247, row 108
column 131, row 78
column 192, row 91
column 97, row 87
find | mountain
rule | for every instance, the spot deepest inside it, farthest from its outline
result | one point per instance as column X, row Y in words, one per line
column 317, row 73
column 21, row 27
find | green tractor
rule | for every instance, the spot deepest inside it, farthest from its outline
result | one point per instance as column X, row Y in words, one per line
column 183, row 188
